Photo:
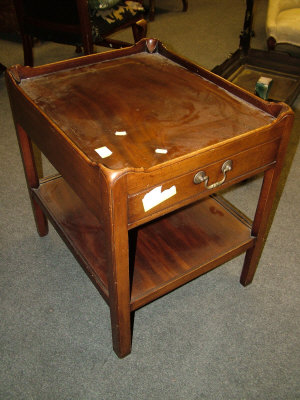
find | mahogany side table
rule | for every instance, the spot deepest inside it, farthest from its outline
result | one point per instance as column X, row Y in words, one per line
column 143, row 140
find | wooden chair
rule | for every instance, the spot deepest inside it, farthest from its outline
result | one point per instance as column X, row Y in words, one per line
column 152, row 8
column 77, row 22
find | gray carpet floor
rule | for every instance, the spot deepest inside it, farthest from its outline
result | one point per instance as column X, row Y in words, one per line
column 210, row 339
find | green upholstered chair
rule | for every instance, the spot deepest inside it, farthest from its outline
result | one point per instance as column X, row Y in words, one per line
column 83, row 23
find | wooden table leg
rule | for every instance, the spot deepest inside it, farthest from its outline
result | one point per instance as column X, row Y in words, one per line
column 118, row 269
column 32, row 178
column 259, row 228
column 264, row 208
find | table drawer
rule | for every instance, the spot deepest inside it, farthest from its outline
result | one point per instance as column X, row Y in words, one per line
column 193, row 184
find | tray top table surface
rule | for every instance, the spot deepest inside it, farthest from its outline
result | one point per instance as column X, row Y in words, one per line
column 210, row 135
column 162, row 109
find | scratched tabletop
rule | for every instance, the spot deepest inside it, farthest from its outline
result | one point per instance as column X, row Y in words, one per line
column 141, row 110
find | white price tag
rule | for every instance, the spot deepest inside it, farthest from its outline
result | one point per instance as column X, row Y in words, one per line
column 156, row 196
column 104, row 152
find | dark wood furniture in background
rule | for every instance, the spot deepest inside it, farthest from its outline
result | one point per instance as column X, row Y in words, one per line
column 143, row 140
column 8, row 21
column 246, row 65
column 8, row 17
column 68, row 22
column 152, row 8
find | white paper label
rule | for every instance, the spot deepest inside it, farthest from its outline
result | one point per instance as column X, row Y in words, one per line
column 103, row 152
column 120, row 133
column 161, row 151
column 156, row 196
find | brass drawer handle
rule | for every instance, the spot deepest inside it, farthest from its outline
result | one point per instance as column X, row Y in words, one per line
column 201, row 177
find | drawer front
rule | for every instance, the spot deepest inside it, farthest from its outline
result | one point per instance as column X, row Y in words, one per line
column 193, row 184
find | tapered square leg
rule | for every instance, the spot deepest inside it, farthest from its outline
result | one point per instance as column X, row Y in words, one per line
column 118, row 268
column 32, row 179
column 264, row 208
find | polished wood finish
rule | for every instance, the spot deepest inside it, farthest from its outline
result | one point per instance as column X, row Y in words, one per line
column 136, row 149
column 149, row 279
column 134, row 253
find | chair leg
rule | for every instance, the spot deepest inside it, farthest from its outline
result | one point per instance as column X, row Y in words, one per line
column 271, row 43
column 27, row 49
column 151, row 10
column 78, row 49
column 139, row 30
column 2, row 68
column 184, row 5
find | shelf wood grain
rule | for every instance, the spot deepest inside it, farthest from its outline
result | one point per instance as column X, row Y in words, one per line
column 167, row 252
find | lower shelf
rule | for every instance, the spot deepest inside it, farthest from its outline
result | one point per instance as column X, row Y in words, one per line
column 165, row 253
